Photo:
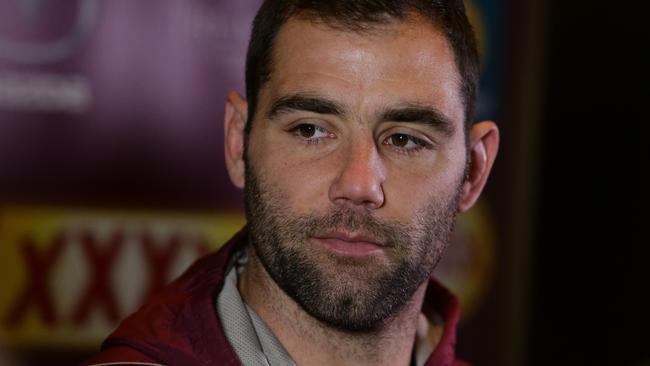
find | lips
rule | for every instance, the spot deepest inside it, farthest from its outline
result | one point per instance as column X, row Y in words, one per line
column 350, row 244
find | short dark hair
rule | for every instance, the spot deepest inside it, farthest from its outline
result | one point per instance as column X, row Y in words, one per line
column 358, row 15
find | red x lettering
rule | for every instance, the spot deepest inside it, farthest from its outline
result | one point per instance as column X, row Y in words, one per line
column 37, row 293
column 99, row 292
column 159, row 259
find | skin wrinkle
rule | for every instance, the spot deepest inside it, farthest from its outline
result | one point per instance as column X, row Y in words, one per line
column 360, row 61
column 380, row 31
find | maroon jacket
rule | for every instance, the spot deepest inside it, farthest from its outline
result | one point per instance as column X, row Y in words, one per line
column 180, row 326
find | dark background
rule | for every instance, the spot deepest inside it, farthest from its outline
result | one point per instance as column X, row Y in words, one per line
column 589, row 266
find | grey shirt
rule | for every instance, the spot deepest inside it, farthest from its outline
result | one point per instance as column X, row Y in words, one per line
column 254, row 343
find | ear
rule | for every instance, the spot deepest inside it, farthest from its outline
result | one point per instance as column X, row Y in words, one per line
column 483, row 147
column 236, row 112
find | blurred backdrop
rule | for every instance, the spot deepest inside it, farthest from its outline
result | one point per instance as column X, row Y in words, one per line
column 112, row 178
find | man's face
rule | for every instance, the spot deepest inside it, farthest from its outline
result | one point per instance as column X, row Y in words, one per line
column 354, row 166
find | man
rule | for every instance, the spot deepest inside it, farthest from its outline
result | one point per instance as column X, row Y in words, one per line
column 356, row 150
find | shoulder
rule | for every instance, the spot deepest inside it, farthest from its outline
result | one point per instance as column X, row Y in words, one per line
column 179, row 325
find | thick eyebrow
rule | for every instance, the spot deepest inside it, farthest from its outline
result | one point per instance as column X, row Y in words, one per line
column 305, row 103
column 425, row 115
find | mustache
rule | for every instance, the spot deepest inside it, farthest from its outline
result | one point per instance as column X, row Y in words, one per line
column 387, row 233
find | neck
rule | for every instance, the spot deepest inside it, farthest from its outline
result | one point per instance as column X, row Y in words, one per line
column 312, row 342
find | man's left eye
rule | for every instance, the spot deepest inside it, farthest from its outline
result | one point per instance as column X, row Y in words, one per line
column 406, row 142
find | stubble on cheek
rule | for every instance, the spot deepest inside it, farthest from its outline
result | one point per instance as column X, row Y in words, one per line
column 347, row 293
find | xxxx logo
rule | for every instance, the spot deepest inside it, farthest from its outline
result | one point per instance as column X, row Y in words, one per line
column 70, row 275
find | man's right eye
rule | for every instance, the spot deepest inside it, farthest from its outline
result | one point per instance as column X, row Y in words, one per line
column 311, row 132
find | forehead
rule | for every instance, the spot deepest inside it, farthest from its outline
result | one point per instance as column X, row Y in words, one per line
column 399, row 62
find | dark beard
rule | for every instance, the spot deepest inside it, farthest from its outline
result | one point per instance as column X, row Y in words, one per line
column 347, row 293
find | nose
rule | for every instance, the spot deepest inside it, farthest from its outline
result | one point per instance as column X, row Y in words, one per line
column 361, row 177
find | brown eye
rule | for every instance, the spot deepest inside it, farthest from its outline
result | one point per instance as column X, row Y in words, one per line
column 311, row 132
column 399, row 140
column 306, row 130
column 407, row 143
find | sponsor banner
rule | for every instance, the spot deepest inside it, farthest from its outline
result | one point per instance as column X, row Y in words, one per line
column 70, row 275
